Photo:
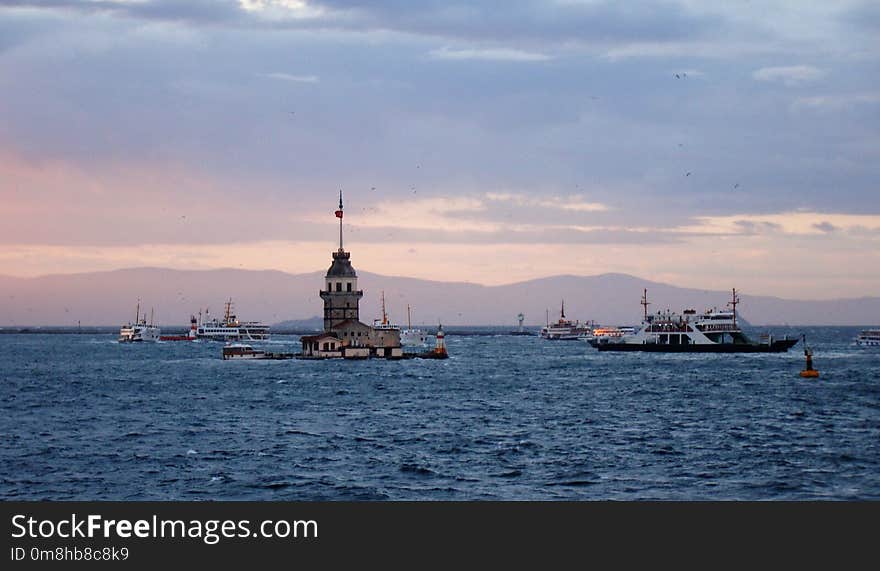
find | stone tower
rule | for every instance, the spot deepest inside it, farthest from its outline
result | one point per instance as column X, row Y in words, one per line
column 340, row 294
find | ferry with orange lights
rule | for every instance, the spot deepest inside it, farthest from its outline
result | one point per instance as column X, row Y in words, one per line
column 713, row 331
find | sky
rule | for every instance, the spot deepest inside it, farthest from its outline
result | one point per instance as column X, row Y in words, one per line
column 699, row 143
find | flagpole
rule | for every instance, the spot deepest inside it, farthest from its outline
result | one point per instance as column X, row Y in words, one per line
column 340, row 220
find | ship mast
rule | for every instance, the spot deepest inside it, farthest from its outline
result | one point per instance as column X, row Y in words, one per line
column 384, row 315
column 733, row 302
column 645, row 303
column 408, row 318
column 562, row 311
column 137, row 312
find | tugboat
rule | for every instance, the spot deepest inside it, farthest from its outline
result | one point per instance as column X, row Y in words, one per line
column 565, row 330
column 139, row 331
column 712, row 331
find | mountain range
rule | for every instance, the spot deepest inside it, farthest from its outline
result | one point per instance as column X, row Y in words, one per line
column 110, row 298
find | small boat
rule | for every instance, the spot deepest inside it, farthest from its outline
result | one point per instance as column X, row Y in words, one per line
column 410, row 337
column 139, row 330
column 240, row 351
column 869, row 338
column 565, row 329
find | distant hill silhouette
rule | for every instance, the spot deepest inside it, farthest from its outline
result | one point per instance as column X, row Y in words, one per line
column 109, row 298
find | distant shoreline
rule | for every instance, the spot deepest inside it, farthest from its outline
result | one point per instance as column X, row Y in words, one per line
column 466, row 330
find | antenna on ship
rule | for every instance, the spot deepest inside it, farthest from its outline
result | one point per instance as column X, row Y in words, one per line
column 408, row 318
column 339, row 215
column 733, row 302
column 562, row 312
column 137, row 312
column 645, row 302
column 151, row 317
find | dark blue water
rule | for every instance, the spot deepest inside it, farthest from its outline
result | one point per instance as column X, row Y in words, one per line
column 85, row 418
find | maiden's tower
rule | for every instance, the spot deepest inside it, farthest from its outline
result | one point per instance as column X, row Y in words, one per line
column 344, row 335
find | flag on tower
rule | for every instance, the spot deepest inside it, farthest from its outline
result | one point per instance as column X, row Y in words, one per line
column 338, row 214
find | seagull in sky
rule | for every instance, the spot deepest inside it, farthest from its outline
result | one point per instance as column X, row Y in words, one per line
column 688, row 174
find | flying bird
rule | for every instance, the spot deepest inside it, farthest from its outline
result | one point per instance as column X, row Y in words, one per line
column 677, row 76
column 736, row 185
column 688, row 174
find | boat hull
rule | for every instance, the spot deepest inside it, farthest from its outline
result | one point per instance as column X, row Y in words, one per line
column 778, row 346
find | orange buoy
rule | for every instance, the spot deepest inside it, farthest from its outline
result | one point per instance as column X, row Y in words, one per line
column 809, row 372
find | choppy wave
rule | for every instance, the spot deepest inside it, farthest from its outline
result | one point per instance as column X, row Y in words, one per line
column 507, row 418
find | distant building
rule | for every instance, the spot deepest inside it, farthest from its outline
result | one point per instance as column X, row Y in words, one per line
column 344, row 334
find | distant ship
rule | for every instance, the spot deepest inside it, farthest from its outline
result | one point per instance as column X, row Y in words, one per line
column 231, row 329
column 713, row 331
column 383, row 324
column 566, row 330
column 869, row 338
column 410, row 337
column 139, row 330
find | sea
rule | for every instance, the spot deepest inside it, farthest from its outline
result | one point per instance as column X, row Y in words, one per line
column 504, row 418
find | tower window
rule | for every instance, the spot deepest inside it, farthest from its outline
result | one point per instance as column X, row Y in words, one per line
column 348, row 286
column 338, row 286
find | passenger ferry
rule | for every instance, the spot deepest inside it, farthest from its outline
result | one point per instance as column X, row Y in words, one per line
column 139, row 330
column 869, row 338
column 231, row 329
column 713, row 331
column 565, row 329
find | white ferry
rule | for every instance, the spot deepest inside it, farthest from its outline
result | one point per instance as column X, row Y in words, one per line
column 713, row 331
column 231, row 329
column 566, row 330
column 869, row 338
column 410, row 337
column 139, row 330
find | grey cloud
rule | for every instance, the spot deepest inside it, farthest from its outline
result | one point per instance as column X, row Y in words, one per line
column 530, row 20
column 197, row 11
column 491, row 20
column 825, row 227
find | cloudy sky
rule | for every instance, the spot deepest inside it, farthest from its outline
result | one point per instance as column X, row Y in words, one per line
column 705, row 144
